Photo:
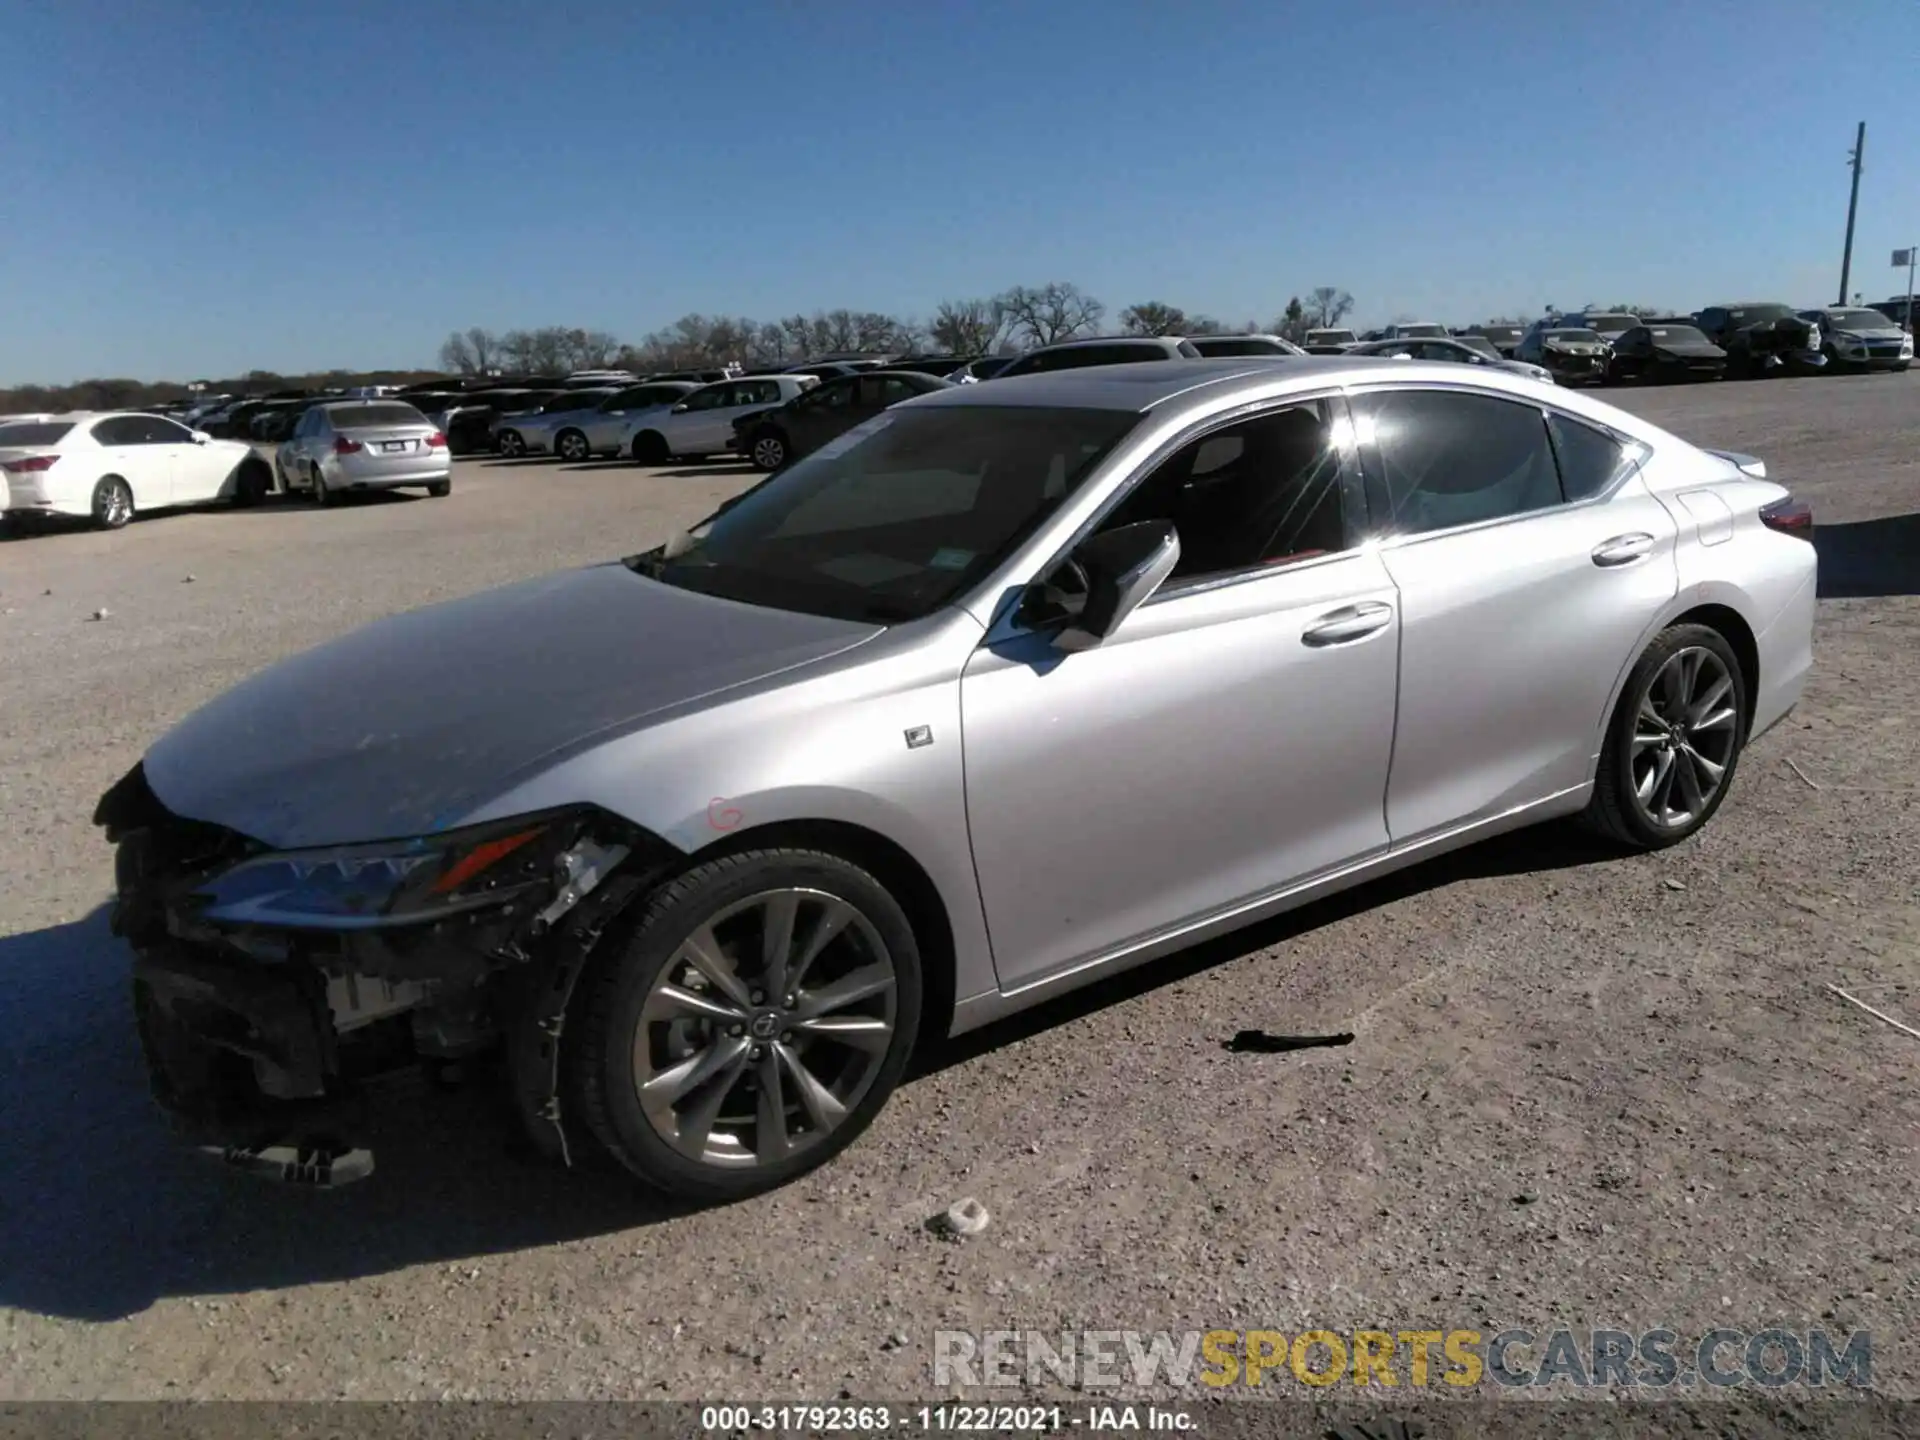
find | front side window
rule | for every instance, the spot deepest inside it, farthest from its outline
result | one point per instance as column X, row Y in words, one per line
column 115, row 430
column 758, row 392
column 1259, row 492
column 714, row 397
column 897, row 517
column 1439, row 458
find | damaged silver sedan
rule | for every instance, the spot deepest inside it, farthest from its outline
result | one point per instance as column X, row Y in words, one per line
column 1004, row 690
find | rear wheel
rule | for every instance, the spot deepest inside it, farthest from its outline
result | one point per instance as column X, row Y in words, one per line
column 322, row 496
column 440, row 489
column 650, row 448
column 511, row 445
column 750, row 1027
column 571, row 445
column 1674, row 741
column 112, row 503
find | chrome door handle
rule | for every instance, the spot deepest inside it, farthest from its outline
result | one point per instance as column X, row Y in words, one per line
column 1623, row 549
column 1350, row 622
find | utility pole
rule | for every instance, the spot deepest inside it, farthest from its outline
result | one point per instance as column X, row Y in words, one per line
column 1853, row 204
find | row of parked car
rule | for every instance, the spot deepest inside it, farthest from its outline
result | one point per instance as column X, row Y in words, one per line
column 1738, row 340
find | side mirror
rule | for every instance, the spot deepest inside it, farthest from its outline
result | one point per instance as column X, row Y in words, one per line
column 679, row 409
column 1122, row 569
column 201, row 437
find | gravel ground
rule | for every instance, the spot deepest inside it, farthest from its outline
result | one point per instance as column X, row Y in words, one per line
column 1584, row 1090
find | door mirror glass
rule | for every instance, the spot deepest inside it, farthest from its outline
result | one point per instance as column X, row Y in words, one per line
column 1113, row 573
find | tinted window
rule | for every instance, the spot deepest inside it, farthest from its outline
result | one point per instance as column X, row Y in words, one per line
column 1244, row 345
column 1677, row 335
column 1441, row 459
column 40, row 432
column 832, row 395
column 1256, row 493
column 711, row 398
column 893, row 390
column 898, row 516
column 1479, row 344
column 1590, row 459
column 368, row 417
column 1857, row 319
column 757, row 392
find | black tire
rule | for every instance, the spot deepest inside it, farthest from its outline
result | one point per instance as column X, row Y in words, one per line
column 440, row 489
column 600, row 1066
column 1614, row 811
column 650, row 448
column 511, row 445
column 112, row 503
column 323, row 496
column 769, row 449
column 252, row 483
column 572, row 446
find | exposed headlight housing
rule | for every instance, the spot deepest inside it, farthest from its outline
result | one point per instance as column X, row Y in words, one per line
column 393, row 882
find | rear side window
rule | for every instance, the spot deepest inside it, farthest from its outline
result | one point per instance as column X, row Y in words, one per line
column 757, row 392
column 40, row 432
column 1591, row 460
column 1440, row 459
column 368, row 417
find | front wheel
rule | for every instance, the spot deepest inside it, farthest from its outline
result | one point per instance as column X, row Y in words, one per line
column 572, row 446
column 650, row 448
column 511, row 445
column 440, row 489
column 750, row 1027
column 112, row 503
column 253, row 483
column 1674, row 741
column 769, row 450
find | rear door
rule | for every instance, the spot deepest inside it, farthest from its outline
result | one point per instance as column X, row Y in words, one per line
column 145, row 466
column 198, row 470
column 1530, row 558
column 706, row 424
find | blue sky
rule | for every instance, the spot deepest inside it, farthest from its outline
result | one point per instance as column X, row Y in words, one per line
column 203, row 188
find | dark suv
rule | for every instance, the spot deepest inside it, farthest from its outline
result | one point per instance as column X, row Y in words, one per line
column 1763, row 337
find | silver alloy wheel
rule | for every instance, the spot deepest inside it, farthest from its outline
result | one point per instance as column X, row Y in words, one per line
column 769, row 452
column 1683, row 737
column 117, row 504
column 511, row 445
column 766, row 1028
column 573, row 446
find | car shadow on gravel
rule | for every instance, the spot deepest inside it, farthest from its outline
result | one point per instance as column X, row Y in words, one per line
column 102, row 1212
column 1534, row 850
column 1869, row 558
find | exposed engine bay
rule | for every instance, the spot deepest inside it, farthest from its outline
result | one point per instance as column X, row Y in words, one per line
column 268, row 988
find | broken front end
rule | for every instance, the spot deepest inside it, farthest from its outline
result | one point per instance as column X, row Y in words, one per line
column 268, row 986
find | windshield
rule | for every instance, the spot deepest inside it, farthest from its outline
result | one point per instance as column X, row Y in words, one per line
column 574, row 400
column 1859, row 320
column 1420, row 332
column 1248, row 345
column 1677, row 335
column 1612, row 324
column 896, row 517
column 1754, row 314
column 369, row 417
column 1575, row 337
column 1330, row 337
column 1480, row 343
column 30, row 432
column 1504, row 334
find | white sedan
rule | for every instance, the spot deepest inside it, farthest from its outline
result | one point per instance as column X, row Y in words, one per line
column 108, row 467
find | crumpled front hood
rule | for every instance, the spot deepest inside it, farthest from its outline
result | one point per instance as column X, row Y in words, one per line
column 404, row 726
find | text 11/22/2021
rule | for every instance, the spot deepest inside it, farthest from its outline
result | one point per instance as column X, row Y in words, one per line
column 948, row 1419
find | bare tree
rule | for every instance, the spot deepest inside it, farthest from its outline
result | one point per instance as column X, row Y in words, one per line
column 1293, row 321
column 1205, row 325
column 1327, row 306
column 456, row 355
column 1154, row 317
column 968, row 327
column 1053, row 312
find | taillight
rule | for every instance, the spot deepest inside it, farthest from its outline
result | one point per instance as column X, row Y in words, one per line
column 1790, row 517
column 343, row 446
column 29, row 466
column 436, row 441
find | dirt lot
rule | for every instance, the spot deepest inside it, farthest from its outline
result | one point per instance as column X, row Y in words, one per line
column 1584, row 1090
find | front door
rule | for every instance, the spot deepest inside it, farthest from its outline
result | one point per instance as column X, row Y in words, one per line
column 1233, row 736
column 1530, row 559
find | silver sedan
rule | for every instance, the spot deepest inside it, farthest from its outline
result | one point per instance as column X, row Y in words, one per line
column 360, row 445
column 1002, row 691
